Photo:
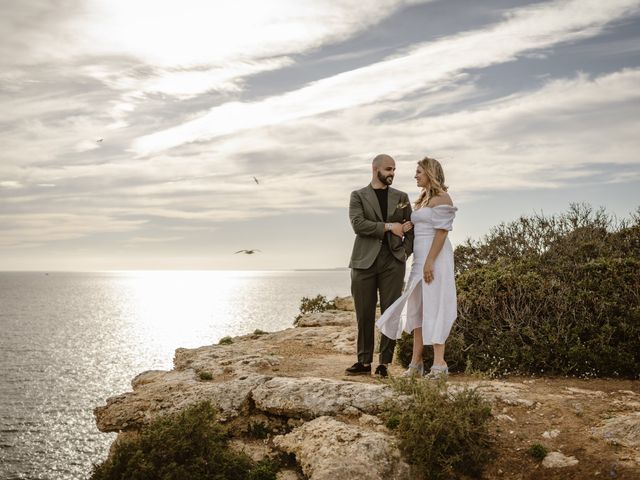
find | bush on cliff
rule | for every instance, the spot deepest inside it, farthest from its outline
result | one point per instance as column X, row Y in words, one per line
column 441, row 433
column 550, row 295
column 189, row 445
column 312, row 305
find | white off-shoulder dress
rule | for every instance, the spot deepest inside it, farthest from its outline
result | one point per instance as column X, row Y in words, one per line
column 432, row 306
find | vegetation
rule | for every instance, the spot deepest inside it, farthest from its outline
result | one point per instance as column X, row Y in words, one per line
column 549, row 295
column 538, row 451
column 317, row 304
column 258, row 430
column 189, row 445
column 225, row 341
column 441, row 433
column 205, row 375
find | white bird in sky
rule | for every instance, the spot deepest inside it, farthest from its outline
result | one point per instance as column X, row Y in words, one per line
column 248, row 252
column 256, row 180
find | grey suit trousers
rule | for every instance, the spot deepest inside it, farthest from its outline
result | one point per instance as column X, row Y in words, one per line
column 385, row 276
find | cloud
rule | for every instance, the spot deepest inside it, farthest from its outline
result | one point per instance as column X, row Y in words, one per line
column 185, row 34
column 227, row 78
column 10, row 184
column 73, row 71
column 431, row 65
column 176, row 48
column 36, row 228
column 199, row 32
column 147, row 240
column 542, row 138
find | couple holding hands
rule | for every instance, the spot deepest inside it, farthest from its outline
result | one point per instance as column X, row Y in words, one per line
column 387, row 232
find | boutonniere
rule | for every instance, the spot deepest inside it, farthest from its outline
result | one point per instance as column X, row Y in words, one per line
column 402, row 205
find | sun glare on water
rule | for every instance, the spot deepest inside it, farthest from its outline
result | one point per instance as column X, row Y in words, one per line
column 187, row 309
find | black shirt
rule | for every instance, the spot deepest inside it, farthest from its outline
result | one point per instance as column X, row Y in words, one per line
column 383, row 200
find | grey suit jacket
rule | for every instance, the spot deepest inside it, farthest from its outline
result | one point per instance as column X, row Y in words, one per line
column 366, row 220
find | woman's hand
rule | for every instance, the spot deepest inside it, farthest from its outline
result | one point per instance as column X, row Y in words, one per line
column 396, row 229
column 406, row 226
column 427, row 271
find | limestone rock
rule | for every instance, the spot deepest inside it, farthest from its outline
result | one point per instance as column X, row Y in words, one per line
column 339, row 339
column 505, row 418
column 328, row 449
column 499, row 391
column 369, row 420
column 310, row 397
column 551, row 434
column 344, row 303
column 628, row 392
column 224, row 359
column 626, row 404
column 158, row 394
column 621, row 429
column 263, row 354
column 329, row 317
column 343, row 342
column 584, row 391
column 558, row 460
column 147, row 377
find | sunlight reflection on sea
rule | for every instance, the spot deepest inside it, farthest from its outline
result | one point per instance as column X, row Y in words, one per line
column 70, row 340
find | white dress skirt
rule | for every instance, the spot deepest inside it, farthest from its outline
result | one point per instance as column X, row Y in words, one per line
column 432, row 306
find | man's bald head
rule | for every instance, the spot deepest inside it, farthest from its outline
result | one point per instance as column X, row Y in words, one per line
column 383, row 168
column 378, row 160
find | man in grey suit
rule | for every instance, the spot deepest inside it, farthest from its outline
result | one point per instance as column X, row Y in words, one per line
column 380, row 217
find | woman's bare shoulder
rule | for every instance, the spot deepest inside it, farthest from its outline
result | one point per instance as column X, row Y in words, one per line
column 442, row 199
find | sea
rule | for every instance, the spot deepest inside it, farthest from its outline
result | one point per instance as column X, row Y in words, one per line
column 68, row 341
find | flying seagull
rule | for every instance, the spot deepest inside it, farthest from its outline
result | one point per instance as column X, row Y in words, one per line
column 99, row 140
column 248, row 252
column 256, row 180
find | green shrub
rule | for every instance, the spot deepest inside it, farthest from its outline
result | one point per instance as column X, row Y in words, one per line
column 205, row 375
column 187, row 445
column 441, row 434
column 392, row 421
column 225, row 341
column 317, row 304
column 550, row 295
column 538, row 451
column 257, row 331
column 258, row 430
column 266, row 469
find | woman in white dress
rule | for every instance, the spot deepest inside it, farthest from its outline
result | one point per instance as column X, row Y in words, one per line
column 428, row 306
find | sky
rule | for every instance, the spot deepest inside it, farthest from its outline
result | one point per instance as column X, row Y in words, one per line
column 131, row 131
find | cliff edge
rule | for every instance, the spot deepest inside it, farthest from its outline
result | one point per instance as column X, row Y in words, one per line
column 291, row 384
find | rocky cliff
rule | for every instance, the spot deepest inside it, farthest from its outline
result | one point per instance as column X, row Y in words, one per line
column 291, row 384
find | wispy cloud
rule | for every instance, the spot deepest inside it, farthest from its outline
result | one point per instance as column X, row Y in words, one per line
column 37, row 229
column 428, row 66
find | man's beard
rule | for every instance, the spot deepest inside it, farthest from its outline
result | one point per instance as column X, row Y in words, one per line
column 387, row 180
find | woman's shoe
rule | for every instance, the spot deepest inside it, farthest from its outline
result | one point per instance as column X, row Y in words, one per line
column 414, row 370
column 437, row 372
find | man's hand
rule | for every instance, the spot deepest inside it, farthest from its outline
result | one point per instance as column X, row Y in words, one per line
column 396, row 229
column 427, row 271
column 406, row 226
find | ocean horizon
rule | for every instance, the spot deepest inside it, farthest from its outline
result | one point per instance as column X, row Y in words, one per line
column 72, row 339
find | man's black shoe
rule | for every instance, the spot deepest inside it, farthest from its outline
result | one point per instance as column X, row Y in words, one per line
column 358, row 369
column 382, row 371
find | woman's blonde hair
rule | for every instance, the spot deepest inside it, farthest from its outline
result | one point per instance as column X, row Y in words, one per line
column 435, row 176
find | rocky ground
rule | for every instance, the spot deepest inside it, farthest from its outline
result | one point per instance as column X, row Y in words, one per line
column 291, row 383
